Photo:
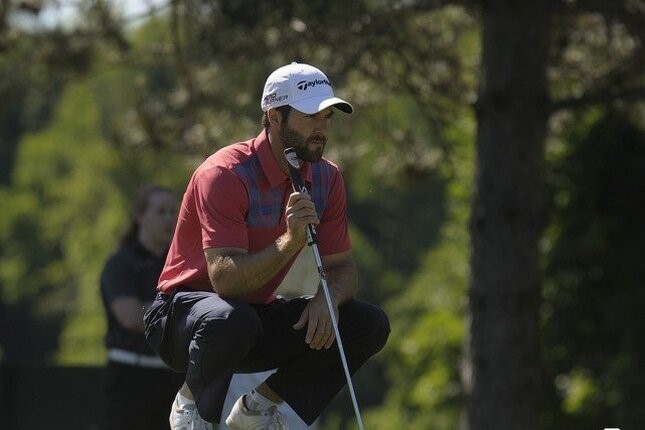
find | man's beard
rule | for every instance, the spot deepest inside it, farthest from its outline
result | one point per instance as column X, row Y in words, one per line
column 292, row 139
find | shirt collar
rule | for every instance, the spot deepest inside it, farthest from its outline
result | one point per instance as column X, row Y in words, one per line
column 270, row 166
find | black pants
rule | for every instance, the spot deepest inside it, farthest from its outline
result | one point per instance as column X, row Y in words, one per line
column 210, row 338
column 138, row 398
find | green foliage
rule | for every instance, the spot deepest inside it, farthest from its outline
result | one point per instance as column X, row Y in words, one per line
column 81, row 183
column 383, row 177
column 61, row 172
column 28, row 95
column 594, row 289
column 423, row 355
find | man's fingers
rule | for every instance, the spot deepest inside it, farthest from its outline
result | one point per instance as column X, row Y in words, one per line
column 302, row 321
column 318, row 336
column 327, row 336
column 311, row 331
column 324, row 336
column 320, row 330
column 330, row 339
column 301, row 208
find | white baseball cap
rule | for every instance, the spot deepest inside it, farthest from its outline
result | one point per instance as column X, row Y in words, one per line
column 303, row 87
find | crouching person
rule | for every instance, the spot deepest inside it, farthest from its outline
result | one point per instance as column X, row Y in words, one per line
column 240, row 227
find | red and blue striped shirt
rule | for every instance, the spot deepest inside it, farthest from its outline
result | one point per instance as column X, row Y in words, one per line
column 236, row 198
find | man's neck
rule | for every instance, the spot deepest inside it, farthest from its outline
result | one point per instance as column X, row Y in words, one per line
column 151, row 245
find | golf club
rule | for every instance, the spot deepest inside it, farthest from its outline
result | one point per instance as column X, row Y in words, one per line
column 299, row 186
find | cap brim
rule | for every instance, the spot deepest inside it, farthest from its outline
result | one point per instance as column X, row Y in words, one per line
column 314, row 105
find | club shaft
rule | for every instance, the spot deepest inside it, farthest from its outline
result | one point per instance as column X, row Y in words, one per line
column 330, row 307
column 299, row 186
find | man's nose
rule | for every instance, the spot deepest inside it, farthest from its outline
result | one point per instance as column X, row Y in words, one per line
column 322, row 125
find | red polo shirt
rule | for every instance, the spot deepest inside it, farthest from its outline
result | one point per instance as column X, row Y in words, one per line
column 237, row 198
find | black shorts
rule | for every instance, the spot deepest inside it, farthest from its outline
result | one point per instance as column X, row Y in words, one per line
column 211, row 338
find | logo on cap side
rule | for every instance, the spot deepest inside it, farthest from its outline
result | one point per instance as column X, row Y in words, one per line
column 304, row 85
column 274, row 98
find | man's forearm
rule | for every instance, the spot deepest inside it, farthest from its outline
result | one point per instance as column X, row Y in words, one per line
column 237, row 274
column 342, row 280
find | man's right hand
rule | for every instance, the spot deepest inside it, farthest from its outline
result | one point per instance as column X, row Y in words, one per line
column 300, row 212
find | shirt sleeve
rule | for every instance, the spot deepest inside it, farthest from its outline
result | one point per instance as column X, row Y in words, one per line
column 333, row 232
column 221, row 202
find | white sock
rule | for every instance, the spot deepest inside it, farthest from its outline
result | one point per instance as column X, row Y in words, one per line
column 257, row 402
column 183, row 400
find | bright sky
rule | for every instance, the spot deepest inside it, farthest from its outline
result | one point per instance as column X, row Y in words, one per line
column 135, row 8
column 57, row 12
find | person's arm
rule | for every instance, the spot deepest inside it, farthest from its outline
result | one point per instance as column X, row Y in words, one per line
column 342, row 282
column 118, row 286
column 128, row 311
column 234, row 272
column 342, row 276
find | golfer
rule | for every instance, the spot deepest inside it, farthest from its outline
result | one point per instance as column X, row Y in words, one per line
column 240, row 227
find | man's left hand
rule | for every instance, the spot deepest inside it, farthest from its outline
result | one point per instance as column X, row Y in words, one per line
column 320, row 331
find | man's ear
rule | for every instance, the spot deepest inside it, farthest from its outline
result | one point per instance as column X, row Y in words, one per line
column 275, row 117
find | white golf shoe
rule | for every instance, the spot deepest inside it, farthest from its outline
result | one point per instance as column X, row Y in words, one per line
column 186, row 417
column 241, row 418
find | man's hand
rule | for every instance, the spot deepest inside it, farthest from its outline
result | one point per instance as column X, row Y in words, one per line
column 300, row 212
column 320, row 332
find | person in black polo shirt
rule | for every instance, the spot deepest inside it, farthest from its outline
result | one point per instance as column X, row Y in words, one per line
column 139, row 388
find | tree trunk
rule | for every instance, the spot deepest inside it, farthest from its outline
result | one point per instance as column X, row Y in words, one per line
column 502, row 365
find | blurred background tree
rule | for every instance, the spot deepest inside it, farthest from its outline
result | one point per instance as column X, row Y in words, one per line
column 96, row 100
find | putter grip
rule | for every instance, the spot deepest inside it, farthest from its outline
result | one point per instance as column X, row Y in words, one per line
column 298, row 184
